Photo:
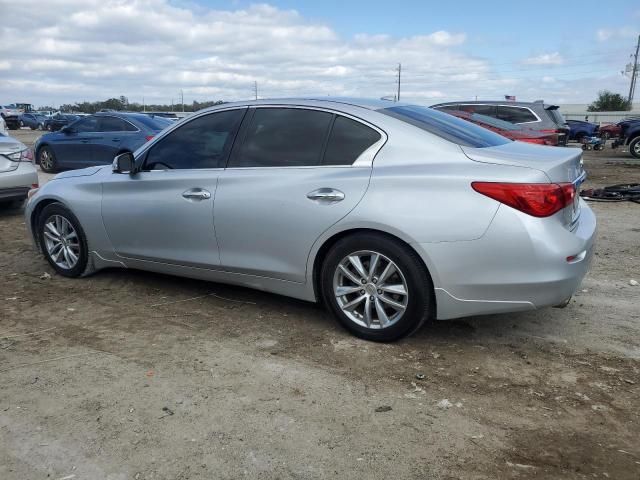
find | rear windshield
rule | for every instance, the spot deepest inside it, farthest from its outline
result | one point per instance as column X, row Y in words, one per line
column 555, row 115
column 493, row 122
column 446, row 126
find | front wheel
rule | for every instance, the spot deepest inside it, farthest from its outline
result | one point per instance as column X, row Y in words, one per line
column 377, row 287
column 634, row 147
column 63, row 241
column 47, row 159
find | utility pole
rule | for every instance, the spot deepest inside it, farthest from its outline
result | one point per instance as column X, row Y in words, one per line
column 144, row 106
column 255, row 89
column 634, row 75
column 182, row 99
column 399, row 79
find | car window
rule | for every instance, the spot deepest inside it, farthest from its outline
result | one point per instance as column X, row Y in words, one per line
column 203, row 142
column 347, row 141
column 448, row 107
column 446, row 126
column 489, row 110
column 494, row 122
column 154, row 123
column 283, row 137
column 114, row 124
column 88, row 124
column 516, row 114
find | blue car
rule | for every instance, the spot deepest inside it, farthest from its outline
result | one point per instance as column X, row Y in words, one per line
column 96, row 140
column 579, row 129
column 35, row 121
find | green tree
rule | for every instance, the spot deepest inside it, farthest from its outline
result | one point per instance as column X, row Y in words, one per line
column 609, row 102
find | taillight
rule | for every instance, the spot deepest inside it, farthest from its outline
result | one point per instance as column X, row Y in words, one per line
column 536, row 199
column 537, row 141
column 149, row 137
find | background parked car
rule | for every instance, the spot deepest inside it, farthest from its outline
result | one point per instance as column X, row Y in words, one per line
column 580, row 128
column 11, row 116
column 3, row 126
column 535, row 115
column 507, row 129
column 610, row 131
column 96, row 139
column 17, row 171
column 35, row 121
column 59, row 120
column 630, row 135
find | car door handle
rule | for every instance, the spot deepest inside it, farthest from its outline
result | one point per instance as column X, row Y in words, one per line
column 196, row 194
column 115, row 139
column 326, row 195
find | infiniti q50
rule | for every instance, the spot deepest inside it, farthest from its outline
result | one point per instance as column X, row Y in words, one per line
column 390, row 214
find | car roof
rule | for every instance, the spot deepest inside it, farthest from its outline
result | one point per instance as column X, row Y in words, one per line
column 494, row 102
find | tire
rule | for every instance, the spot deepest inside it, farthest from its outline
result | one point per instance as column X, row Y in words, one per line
column 21, row 124
column 47, row 159
column 61, row 253
column 50, row 128
column 417, row 301
column 40, row 126
column 634, row 147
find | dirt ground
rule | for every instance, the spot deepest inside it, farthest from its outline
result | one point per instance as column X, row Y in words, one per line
column 131, row 375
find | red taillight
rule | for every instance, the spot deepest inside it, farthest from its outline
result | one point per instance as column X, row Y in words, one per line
column 538, row 141
column 149, row 137
column 536, row 199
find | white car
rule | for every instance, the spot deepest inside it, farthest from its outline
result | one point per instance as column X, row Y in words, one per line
column 3, row 126
column 18, row 173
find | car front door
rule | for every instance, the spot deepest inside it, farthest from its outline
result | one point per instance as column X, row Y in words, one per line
column 72, row 147
column 164, row 213
column 293, row 173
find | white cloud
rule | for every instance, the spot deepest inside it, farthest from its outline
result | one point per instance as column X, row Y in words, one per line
column 95, row 49
column 625, row 32
column 554, row 58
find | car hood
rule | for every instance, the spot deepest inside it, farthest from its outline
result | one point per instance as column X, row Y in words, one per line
column 84, row 172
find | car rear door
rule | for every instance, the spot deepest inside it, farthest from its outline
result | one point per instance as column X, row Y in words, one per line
column 164, row 213
column 293, row 173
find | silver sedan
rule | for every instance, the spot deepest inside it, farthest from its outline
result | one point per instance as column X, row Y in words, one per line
column 18, row 173
column 388, row 213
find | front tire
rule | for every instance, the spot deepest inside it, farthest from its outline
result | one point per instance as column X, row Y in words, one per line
column 47, row 159
column 63, row 241
column 377, row 287
column 634, row 147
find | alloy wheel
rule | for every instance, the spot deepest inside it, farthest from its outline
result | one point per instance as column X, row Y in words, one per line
column 370, row 289
column 61, row 241
column 46, row 161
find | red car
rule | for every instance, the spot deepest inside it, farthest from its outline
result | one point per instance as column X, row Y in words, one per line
column 506, row 129
column 610, row 131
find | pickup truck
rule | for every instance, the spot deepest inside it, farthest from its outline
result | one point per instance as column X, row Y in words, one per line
column 11, row 116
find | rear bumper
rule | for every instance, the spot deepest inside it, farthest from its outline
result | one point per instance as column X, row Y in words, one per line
column 519, row 264
column 19, row 193
column 17, row 183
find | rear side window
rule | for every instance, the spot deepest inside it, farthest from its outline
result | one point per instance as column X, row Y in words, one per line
column 489, row 110
column 154, row 123
column 283, row 137
column 113, row 124
column 516, row 114
column 446, row 126
column 347, row 141
column 203, row 142
column 88, row 124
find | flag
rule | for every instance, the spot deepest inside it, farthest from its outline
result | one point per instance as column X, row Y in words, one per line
column 511, row 98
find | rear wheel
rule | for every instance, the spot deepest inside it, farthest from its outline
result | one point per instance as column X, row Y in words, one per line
column 47, row 159
column 63, row 241
column 634, row 147
column 377, row 287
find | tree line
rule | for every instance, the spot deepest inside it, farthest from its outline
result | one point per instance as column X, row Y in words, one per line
column 123, row 103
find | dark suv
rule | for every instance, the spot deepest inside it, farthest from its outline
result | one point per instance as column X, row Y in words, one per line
column 538, row 116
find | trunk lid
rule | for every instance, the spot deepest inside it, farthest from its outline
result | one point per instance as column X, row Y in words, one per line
column 9, row 146
column 559, row 164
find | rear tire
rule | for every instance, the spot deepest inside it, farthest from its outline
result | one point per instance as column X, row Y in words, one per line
column 634, row 147
column 382, row 304
column 63, row 241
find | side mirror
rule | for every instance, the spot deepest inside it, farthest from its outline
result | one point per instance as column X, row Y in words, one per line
column 124, row 163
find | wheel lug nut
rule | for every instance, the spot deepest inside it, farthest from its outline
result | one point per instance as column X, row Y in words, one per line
column 375, row 280
column 371, row 297
column 363, row 281
column 361, row 292
column 379, row 292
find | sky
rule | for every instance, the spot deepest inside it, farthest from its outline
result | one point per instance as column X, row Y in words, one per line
column 65, row 51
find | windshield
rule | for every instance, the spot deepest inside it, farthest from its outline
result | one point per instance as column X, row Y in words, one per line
column 446, row 126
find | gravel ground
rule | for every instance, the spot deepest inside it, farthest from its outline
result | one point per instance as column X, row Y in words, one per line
column 108, row 378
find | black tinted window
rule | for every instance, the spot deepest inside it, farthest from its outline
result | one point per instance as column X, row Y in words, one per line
column 283, row 137
column 446, row 126
column 154, row 123
column 113, row 124
column 515, row 114
column 201, row 143
column 489, row 110
column 347, row 141
column 88, row 124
